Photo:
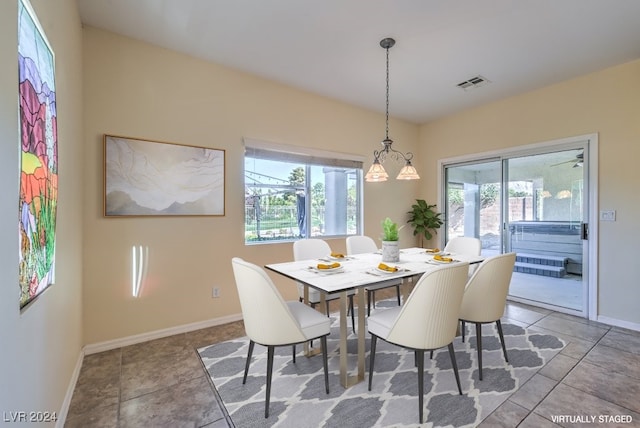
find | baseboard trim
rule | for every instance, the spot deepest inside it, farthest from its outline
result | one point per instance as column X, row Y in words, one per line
column 619, row 323
column 64, row 410
column 108, row 345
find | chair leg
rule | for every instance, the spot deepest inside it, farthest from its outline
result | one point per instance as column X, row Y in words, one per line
column 398, row 293
column 372, row 357
column 327, row 308
column 246, row 367
column 294, row 353
column 353, row 316
column 504, row 348
column 452, row 354
column 270, row 353
column 464, row 329
column 325, row 363
column 420, row 358
column 479, row 345
column 431, row 355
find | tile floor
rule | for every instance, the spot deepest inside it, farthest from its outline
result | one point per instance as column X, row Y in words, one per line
column 162, row 383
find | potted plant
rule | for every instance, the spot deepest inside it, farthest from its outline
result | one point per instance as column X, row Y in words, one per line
column 424, row 220
column 390, row 237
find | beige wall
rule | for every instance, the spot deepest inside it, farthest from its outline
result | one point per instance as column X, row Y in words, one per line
column 134, row 89
column 115, row 85
column 41, row 345
column 607, row 103
column 138, row 90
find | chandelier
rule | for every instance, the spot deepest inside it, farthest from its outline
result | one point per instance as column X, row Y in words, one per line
column 377, row 172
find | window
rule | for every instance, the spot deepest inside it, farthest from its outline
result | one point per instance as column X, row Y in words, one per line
column 294, row 192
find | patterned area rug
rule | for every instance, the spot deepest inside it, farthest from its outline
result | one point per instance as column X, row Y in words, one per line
column 298, row 398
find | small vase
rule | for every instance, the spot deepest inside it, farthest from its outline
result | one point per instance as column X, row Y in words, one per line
column 390, row 251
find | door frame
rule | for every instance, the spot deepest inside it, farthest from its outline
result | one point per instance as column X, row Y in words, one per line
column 590, row 161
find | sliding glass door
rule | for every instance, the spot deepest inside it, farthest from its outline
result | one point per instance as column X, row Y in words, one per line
column 534, row 205
column 473, row 203
column 544, row 226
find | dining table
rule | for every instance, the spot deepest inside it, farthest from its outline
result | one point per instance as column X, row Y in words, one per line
column 353, row 273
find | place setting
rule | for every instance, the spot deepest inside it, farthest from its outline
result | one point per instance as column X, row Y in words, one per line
column 439, row 257
column 326, row 268
column 336, row 257
column 386, row 269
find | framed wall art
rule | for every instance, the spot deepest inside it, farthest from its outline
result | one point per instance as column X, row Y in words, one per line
column 152, row 178
column 38, row 200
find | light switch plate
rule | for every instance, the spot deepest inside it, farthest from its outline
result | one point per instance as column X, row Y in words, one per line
column 608, row 215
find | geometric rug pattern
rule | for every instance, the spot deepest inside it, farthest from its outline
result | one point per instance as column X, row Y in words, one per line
column 298, row 397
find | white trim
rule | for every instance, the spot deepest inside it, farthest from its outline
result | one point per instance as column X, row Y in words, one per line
column 543, row 305
column 592, row 269
column 619, row 323
column 440, row 199
column 307, row 151
column 591, row 295
column 560, row 144
column 64, row 409
column 157, row 334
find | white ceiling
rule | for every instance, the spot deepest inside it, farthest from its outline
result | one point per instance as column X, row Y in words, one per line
column 331, row 47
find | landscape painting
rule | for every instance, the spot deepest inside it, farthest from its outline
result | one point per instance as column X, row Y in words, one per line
column 150, row 178
column 37, row 206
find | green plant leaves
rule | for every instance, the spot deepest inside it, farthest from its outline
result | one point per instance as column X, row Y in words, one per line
column 389, row 230
column 424, row 219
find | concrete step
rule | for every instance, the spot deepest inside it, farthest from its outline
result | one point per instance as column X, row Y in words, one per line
column 538, row 269
column 542, row 259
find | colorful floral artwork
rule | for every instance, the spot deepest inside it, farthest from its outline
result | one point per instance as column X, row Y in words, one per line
column 39, row 157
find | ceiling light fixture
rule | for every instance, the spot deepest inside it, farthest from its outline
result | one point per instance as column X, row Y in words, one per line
column 377, row 173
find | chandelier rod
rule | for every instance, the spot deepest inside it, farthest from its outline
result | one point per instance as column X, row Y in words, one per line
column 386, row 44
column 377, row 172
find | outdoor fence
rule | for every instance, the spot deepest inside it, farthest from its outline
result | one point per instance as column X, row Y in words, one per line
column 280, row 222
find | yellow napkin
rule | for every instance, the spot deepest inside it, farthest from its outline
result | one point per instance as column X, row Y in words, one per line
column 337, row 255
column 330, row 266
column 442, row 259
column 433, row 250
column 387, row 268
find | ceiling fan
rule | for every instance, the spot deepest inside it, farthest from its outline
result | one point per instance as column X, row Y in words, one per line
column 577, row 161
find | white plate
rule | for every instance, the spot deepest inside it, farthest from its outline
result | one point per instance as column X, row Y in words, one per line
column 386, row 271
column 439, row 253
column 440, row 262
column 315, row 268
column 337, row 258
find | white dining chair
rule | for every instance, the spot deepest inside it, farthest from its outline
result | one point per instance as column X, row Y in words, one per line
column 485, row 298
column 466, row 245
column 365, row 244
column 270, row 321
column 428, row 320
column 314, row 248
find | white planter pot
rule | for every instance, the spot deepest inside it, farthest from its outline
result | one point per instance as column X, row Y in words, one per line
column 390, row 251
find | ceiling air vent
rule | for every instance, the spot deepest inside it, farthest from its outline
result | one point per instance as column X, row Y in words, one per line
column 474, row 82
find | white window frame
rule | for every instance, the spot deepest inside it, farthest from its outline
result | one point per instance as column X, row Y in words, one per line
column 308, row 157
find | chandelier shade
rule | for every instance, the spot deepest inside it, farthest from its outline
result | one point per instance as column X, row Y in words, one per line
column 408, row 172
column 377, row 172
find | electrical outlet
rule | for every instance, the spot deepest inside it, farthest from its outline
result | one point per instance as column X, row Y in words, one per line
column 608, row 215
column 215, row 292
